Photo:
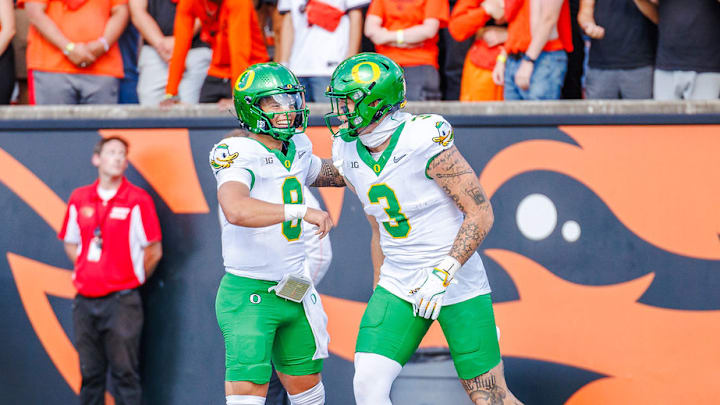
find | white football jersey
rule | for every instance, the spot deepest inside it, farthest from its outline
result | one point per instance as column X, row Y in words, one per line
column 418, row 221
column 270, row 252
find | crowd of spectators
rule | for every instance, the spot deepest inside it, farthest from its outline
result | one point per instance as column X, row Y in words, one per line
column 161, row 52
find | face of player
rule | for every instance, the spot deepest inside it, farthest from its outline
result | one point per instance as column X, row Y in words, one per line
column 345, row 107
column 280, row 108
column 112, row 159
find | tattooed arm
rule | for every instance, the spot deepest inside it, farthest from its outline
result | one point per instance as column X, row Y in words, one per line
column 328, row 176
column 452, row 172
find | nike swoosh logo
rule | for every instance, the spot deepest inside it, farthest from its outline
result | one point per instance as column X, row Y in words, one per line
column 399, row 158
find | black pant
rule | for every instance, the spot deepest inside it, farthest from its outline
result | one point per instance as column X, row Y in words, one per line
column 7, row 75
column 214, row 89
column 107, row 334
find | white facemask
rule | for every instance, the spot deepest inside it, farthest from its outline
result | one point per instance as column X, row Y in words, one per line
column 383, row 131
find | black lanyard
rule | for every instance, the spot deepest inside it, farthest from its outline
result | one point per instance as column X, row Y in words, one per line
column 100, row 224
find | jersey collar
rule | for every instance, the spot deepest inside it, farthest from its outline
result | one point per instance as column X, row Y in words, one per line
column 285, row 159
column 379, row 165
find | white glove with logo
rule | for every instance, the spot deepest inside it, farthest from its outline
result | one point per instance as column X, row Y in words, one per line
column 431, row 291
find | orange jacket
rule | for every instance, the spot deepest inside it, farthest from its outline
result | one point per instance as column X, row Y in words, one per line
column 232, row 30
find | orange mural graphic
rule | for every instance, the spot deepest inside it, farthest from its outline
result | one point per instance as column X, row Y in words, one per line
column 660, row 181
column 646, row 175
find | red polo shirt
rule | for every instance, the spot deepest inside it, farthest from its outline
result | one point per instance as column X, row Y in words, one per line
column 128, row 223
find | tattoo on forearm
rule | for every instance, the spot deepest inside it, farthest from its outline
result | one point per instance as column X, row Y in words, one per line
column 484, row 390
column 477, row 194
column 467, row 240
column 454, row 174
column 328, row 176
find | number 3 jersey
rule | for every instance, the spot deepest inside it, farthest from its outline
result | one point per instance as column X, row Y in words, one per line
column 418, row 221
column 266, row 253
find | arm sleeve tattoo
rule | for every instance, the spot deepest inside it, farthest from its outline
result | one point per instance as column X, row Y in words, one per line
column 328, row 176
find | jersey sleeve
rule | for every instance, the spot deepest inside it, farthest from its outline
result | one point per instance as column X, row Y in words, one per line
column 438, row 136
column 228, row 164
column 313, row 170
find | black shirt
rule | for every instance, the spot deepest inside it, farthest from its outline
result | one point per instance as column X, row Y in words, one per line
column 689, row 35
column 630, row 38
column 163, row 12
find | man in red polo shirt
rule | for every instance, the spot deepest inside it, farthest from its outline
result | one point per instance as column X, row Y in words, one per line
column 112, row 235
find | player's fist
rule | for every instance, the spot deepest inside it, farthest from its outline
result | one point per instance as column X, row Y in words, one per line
column 321, row 219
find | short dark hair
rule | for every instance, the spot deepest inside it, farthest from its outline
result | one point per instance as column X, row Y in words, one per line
column 99, row 146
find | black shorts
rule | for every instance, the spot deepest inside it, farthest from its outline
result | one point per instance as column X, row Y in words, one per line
column 214, row 89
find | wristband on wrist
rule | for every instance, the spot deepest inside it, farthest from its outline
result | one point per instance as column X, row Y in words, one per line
column 400, row 36
column 501, row 58
column 172, row 97
column 68, row 48
column 105, row 44
column 294, row 211
column 527, row 58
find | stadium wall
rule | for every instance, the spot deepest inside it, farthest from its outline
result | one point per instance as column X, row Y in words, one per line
column 604, row 258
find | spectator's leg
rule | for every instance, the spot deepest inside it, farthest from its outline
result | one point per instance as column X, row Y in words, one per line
column 7, row 75
column 152, row 78
column 636, row 83
column 215, row 89
column 54, row 88
column 452, row 57
column 705, row 87
column 318, row 84
column 91, row 351
column 431, row 86
column 548, row 76
column 413, row 83
column 123, row 325
column 128, row 44
column 572, row 87
column 196, row 67
column 512, row 92
column 666, row 86
column 602, row 84
column 97, row 89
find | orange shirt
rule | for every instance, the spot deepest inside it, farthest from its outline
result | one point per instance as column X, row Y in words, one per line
column 85, row 24
column 466, row 19
column 233, row 32
column 519, row 30
column 402, row 14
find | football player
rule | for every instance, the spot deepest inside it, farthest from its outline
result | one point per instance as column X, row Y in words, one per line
column 429, row 214
column 266, row 306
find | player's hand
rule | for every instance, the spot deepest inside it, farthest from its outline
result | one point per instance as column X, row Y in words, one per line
column 321, row 219
column 429, row 294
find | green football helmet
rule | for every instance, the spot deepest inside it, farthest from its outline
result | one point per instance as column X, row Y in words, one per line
column 266, row 86
column 373, row 83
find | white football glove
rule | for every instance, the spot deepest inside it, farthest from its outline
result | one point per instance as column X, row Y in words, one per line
column 431, row 291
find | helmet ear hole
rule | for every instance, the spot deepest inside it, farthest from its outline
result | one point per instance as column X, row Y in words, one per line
column 248, row 99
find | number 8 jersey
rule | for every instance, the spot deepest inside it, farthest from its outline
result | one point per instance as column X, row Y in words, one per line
column 266, row 253
column 418, row 220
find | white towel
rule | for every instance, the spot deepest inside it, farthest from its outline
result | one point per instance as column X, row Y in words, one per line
column 318, row 323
